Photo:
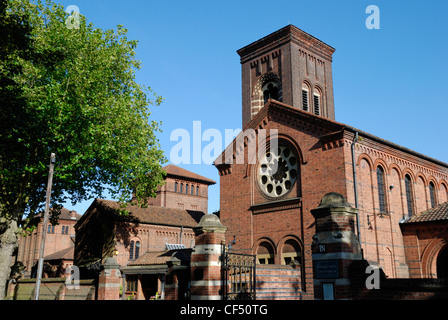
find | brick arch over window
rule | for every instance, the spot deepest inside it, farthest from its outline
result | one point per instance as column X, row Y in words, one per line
column 134, row 248
column 420, row 194
column 265, row 250
column 366, row 157
column 318, row 100
column 382, row 164
column 443, row 192
column 258, row 94
column 306, row 96
column 397, row 169
column 433, row 194
column 291, row 248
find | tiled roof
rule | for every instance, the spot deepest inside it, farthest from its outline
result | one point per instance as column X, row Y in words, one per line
column 437, row 213
column 161, row 257
column 176, row 171
column 64, row 215
column 153, row 214
column 64, row 254
column 69, row 215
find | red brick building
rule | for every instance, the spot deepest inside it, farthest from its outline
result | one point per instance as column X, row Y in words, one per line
column 144, row 240
column 59, row 245
column 183, row 189
column 288, row 94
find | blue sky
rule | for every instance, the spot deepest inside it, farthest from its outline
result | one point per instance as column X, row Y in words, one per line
column 390, row 82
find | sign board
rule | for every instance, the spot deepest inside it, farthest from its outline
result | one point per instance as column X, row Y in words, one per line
column 328, row 291
column 326, row 269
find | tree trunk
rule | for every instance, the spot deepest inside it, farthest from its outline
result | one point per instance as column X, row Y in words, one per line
column 8, row 244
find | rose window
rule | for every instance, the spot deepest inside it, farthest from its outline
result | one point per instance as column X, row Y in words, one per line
column 277, row 172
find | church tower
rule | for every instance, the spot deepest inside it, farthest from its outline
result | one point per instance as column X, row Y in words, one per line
column 289, row 66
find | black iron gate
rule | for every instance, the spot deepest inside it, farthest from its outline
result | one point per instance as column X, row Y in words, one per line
column 239, row 275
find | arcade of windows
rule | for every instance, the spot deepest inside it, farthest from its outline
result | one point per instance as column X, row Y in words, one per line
column 317, row 100
column 290, row 252
column 64, row 229
column 409, row 192
column 189, row 188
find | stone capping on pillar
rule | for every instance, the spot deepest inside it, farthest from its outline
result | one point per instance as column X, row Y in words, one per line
column 335, row 247
column 111, row 263
column 206, row 281
column 209, row 223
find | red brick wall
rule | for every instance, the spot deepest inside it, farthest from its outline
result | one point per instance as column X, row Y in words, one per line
column 29, row 245
column 423, row 242
column 279, row 282
column 151, row 237
column 239, row 191
column 381, row 235
column 167, row 197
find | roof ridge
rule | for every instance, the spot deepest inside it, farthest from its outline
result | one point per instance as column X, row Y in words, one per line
column 174, row 170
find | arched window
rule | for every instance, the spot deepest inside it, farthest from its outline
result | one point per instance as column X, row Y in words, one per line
column 381, row 189
column 432, row 194
column 186, row 188
column 409, row 195
column 265, row 253
column 305, row 97
column 175, row 186
column 317, row 102
column 131, row 250
column 270, row 91
column 137, row 250
column 192, row 189
column 291, row 252
column 134, row 250
column 181, row 188
column 197, row 190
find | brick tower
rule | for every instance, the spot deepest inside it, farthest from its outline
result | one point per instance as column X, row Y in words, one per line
column 290, row 66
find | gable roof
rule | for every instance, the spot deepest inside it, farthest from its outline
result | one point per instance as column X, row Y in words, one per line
column 178, row 172
column 438, row 213
column 148, row 215
column 331, row 126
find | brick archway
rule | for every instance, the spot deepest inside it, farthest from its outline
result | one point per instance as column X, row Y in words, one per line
column 431, row 253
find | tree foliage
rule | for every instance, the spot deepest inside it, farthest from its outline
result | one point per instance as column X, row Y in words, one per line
column 72, row 92
column 79, row 99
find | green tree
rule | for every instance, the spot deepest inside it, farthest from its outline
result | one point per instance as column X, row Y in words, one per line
column 69, row 89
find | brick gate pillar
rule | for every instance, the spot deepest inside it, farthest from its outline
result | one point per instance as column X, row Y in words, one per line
column 205, row 265
column 109, row 281
column 334, row 248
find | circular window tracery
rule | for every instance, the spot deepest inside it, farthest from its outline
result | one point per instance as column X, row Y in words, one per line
column 277, row 172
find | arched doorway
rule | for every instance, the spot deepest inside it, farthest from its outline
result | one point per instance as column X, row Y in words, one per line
column 442, row 263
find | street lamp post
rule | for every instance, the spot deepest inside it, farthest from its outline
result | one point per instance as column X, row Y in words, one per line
column 44, row 227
